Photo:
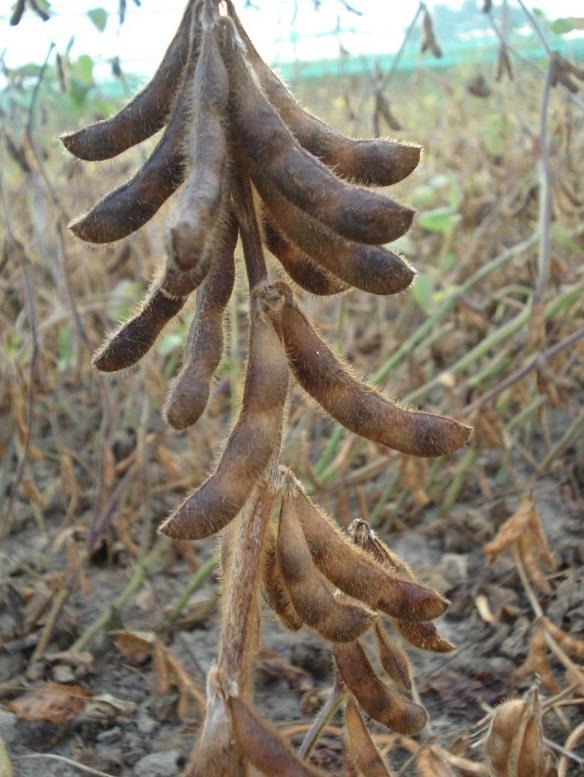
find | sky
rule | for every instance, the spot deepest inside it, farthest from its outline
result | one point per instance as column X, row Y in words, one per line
column 283, row 30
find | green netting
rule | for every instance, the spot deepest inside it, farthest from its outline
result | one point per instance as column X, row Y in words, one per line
column 455, row 53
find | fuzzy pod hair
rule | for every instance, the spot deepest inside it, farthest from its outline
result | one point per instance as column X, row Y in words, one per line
column 206, row 155
column 134, row 338
column 420, row 634
column 354, row 212
column 145, row 114
column 361, row 748
column 300, row 267
column 253, row 441
column 377, row 699
column 189, row 392
column 130, row 206
column 309, row 594
column 367, row 267
column 355, row 405
column 378, row 162
column 393, row 659
column 352, row 570
column 275, row 590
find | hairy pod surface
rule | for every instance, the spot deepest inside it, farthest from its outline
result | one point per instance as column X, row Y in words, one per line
column 253, row 441
column 189, row 392
column 514, row 746
column 145, row 114
column 354, row 404
column 130, row 206
column 134, row 338
column 206, row 156
column 263, row 746
column 355, row 213
column 424, row 635
column 361, row 747
column 275, row 590
column 393, row 659
column 370, row 268
column 310, row 595
column 421, row 634
column 378, row 162
column 377, row 699
column 352, row 570
column 298, row 265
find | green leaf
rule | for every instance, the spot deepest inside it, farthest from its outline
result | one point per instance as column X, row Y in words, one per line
column 562, row 26
column 83, row 69
column 442, row 220
column 422, row 289
column 99, row 17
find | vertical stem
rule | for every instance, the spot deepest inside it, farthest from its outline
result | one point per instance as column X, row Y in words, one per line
column 545, row 195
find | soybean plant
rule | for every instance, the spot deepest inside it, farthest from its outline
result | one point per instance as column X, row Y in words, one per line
column 254, row 165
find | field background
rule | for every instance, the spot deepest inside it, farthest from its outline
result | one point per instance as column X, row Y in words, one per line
column 89, row 593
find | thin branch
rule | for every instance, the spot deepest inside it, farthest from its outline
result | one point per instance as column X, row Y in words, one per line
column 35, row 92
column 545, row 191
column 396, row 60
column 537, row 29
column 338, row 695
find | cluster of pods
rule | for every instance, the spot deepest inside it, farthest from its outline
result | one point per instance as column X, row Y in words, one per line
column 252, row 164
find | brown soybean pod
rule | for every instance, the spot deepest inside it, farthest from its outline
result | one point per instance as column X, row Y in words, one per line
column 134, row 338
column 423, row 635
column 361, row 747
column 252, row 443
column 377, row 699
column 370, row 268
column 298, row 265
column 203, row 193
column 393, row 658
column 261, row 744
column 189, row 392
column 352, row 570
column 354, row 212
column 130, row 206
column 378, row 162
column 309, row 594
column 275, row 590
column 355, row 405
column 145, row 114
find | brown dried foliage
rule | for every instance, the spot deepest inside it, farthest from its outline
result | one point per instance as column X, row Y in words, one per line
column 233, row 135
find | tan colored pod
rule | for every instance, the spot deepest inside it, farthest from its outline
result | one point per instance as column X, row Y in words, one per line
column 379, row 162
column 189, row 392
column 367, row 267
column 351, row 569
column 134, row 338
column 261, row 744
column 308, row 592
column 130, row 206
column 423, row 635
column 145, row 114
column 361, row 747
column 253, row 441
column 393, row 659
column 356, row 213
column 355, row 405
column 203, row 190
column 377, row 699
column 275, row 589
column 300, row 267
column 514, row 745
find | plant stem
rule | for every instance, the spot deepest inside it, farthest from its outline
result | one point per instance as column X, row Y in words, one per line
column 196, row 581
column 326, row 712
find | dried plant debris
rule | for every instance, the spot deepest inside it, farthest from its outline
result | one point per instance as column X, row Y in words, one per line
column 232, row 136
column 514, row 745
